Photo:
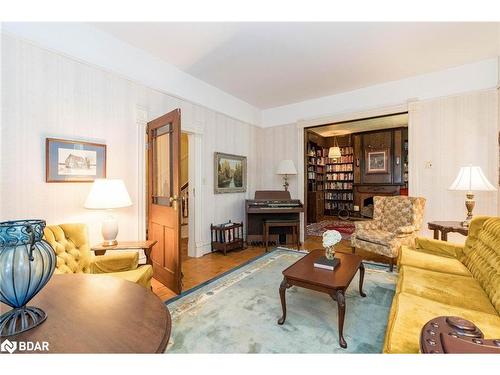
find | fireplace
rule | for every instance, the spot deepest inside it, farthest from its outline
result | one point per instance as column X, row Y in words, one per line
column 366, row 208
column 363, row 196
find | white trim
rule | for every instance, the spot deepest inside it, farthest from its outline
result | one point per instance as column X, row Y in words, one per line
column 301, row 125
column 203, row 248
column 413, row 181
column 351, row 116
column 195, row 162
column 85, row 43
column 141, row 117
column 460, row 79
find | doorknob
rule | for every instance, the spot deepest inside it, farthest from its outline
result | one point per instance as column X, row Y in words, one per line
column 174, row 200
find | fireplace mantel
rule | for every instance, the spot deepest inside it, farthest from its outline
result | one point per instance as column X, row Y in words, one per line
column 362, row 192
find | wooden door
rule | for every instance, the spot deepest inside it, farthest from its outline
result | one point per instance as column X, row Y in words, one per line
column 164, row 209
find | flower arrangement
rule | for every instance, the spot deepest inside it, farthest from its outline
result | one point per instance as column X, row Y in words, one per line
column 330, row 239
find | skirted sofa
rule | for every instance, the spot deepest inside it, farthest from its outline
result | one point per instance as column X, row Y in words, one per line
column 71, row 245
column 440, row 278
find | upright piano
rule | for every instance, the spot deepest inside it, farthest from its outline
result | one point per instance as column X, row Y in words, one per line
column 270, row 204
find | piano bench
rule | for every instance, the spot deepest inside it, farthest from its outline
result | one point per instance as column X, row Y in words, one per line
column 276, row 223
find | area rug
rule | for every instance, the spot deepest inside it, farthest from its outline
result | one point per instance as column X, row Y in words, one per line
column 346, row 228
column 238, row 313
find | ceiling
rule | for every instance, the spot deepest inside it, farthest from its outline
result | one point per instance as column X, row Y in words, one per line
column 376, row 123
column 273, row 64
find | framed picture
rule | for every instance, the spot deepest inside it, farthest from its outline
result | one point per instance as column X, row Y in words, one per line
column 230, row 173
column 376, row 161
column 74, row 161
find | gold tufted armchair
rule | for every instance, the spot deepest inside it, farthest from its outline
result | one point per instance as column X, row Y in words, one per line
column 71, row 245
column 396, row 222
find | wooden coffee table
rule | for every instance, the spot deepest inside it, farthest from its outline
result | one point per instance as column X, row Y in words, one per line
column 98, row 314
column 334, row 283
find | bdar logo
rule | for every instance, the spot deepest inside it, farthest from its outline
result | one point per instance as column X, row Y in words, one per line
column 8, row 346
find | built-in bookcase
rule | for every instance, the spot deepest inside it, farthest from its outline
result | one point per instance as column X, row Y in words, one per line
column 317, row 159
column 338, row 185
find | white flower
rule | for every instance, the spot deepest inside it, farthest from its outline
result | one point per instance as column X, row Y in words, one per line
column 331, row 238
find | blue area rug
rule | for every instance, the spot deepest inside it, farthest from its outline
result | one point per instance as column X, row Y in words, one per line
column 238, row 313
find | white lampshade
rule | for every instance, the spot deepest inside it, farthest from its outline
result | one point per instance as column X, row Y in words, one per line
column 471, row 179
column 286, row 167
column 107, row 194
column 334, row 152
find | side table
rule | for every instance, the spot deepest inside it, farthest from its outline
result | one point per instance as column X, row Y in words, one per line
column 446, row 227
column 147, row 246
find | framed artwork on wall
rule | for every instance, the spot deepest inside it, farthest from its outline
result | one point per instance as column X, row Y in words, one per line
column 74, row 161
column 376, row 161
column 230, row 173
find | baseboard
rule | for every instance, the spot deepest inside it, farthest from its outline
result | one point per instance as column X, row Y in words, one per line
column 203, row 248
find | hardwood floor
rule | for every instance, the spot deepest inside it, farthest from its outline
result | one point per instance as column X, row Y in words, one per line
column 198, row 270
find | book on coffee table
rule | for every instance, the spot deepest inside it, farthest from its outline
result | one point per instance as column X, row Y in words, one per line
column 326, row 264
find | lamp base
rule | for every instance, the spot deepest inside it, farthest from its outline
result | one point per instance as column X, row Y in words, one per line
column 20, row 320
column 469, row 204
column 109, row 243
column 109, row 230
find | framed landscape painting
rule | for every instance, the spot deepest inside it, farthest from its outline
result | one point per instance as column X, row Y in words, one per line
column 376, row 161
column 230, row 173
column 74, row 161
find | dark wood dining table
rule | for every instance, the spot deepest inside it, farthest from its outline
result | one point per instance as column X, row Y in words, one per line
column 98, row 314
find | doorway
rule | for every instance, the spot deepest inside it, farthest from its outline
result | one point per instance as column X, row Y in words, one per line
column 184, row 182
column 346, row 163
column 164, row 198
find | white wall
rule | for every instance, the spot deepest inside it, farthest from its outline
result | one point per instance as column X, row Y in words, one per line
column 91, row 45
column 45, row 94
column 278, row 143
column 452, row 132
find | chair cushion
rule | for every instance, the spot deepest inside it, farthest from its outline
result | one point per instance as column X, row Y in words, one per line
column 141, row 275
column 482, row 255
column 70, row 244
column 115, row 261
column 409, row 313
column 454, row 290
column 432, row 262
column 377, row 236
column 397, row 212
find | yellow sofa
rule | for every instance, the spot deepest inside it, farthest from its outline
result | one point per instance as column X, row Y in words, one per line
column 71, row 245
column 440, row 278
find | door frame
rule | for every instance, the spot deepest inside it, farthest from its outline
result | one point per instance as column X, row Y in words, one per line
column 303, row 125
column 195, row 136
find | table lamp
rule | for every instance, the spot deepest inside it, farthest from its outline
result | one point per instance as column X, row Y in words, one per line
column 334, row 152
column 471, row 179
column 107, row 194
column 286, row 168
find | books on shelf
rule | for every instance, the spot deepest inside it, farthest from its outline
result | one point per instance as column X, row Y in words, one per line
column 338, row 205
column 337, row 185
column 339, row 196
column 339, row 168
column 339, row 176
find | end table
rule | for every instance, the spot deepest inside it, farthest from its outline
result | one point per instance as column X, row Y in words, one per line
column 446, row 227
column 147, row 246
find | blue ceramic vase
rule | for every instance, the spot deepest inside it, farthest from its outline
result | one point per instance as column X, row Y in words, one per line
column 27, row 263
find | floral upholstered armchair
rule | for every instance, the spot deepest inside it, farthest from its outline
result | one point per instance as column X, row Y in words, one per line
column 396, row 222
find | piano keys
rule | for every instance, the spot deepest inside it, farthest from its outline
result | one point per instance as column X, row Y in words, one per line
column 270, row 204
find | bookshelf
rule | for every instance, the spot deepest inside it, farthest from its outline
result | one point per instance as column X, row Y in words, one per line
column 338, row 182
column 317, row 158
